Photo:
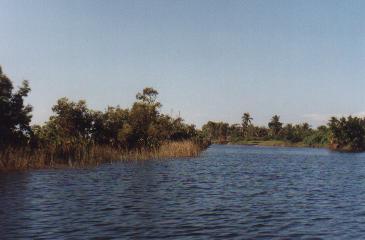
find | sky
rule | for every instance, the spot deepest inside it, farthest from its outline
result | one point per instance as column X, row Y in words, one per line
column 209, row 60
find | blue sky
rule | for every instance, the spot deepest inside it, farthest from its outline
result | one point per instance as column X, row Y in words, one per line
column 210, row 60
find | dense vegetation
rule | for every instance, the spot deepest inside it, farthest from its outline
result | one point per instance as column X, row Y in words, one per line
column 347, row 134
column 14, row 115
column 75, row 134
column 344, row 134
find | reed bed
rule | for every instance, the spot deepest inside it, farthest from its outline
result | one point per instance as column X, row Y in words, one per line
column 178, row 149
column 25, row 158
column 166, row 150
column 20, row 159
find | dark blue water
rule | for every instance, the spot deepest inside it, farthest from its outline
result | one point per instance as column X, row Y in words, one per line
column 230, row 192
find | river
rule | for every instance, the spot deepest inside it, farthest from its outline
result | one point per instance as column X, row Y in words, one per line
column 229, row 192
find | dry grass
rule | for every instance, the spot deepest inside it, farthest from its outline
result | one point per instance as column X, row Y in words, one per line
column 21, row 159
column 178, row 149
column 166, row 150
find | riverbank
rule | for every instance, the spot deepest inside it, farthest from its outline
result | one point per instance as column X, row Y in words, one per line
column 274, row 143
column 281, row 143
column 23, row 159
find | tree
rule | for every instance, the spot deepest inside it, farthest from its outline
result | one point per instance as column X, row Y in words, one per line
column 148, row 96
column 235, row 132
column 15, row 116
column 216, row 131
column 246, row 122
column 71, row 124
column 261, row 132
column 296, row 133
column 318, row 137
column 108, row 125
column 347, row 133
column 143, row 119
column 275, row 125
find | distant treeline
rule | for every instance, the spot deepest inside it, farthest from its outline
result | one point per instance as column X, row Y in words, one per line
column 344, row 134
column 75, row 133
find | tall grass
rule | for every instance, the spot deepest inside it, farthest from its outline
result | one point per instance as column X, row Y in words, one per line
column 166, row 150
column 25, row 158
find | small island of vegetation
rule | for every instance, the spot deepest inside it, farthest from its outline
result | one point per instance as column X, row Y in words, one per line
column 78, row 136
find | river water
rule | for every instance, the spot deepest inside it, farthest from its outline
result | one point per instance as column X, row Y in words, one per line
column 229, row 192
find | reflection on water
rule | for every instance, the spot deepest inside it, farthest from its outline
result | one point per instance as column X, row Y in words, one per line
column 228, row 192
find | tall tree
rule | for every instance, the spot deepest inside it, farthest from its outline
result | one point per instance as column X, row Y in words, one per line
column 143, row 119
column 15, row 116
column 216, row 131
column 149, row 96
column 246, row 122
column 275, row 125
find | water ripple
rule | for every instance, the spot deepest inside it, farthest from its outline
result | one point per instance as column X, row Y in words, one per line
column 230, row 192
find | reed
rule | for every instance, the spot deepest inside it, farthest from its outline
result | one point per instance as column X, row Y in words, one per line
column 19, row 159
column 166, row 150
column 81, row 156
column 178, row 149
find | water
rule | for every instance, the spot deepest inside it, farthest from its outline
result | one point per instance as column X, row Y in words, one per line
column 230, row 192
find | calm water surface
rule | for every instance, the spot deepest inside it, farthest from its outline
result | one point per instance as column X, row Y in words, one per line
column 230, row 192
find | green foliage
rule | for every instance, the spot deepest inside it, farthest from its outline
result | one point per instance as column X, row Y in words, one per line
column 142, row 119
column 74, row 126
column 72, row 120
column 274, row 134
column 296, row 133
column 318, row 137
column 15, row 116
column 246, row 123
column 148, row 96
column 275, row 126
column 108, row 125
column 216, row 131
column 235, row 132
column 347, row 134
column 77, row 134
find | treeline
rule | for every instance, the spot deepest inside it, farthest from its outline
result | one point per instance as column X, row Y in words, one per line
column 344, row 134
column 76, row 133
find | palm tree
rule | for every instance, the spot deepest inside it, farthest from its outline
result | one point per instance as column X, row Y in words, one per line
column 275, row 125
column 246, row 122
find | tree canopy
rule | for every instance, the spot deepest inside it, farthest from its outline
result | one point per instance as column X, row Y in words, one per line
column 15, row 115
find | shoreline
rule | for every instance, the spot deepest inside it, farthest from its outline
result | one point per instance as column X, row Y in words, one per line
column 275, row 143
column 280, row 143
